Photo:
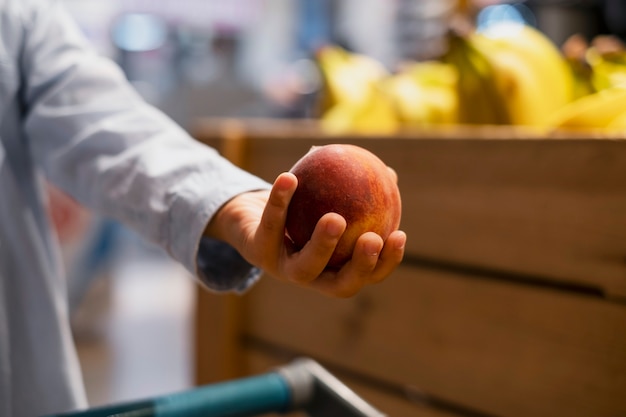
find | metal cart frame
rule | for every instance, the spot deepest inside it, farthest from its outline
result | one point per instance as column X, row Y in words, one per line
column 302, row 385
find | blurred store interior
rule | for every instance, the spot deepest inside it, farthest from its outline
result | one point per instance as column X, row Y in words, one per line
column 232, row 58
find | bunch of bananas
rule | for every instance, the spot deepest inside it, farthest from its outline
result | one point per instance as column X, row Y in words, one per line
column 424, row 93
column 360, row 95
column 600, row 73
column 352, row 99
column 508, row 74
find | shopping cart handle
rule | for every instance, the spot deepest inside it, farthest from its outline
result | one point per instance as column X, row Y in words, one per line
column 238, row 398
column 303, row 385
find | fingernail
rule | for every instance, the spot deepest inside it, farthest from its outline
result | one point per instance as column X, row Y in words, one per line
column 402, row 242
column 371, row 248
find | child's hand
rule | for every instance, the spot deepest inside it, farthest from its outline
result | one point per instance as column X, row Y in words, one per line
column 254, row 223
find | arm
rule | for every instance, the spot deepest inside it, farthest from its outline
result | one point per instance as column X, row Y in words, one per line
column 96, row 139
column 101, row 143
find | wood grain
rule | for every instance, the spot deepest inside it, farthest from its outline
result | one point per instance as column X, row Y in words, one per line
column 217, row 329
column 511, row 301
column 545, row 209
column 494, row 347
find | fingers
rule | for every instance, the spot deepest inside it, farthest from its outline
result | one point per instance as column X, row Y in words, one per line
column 355, row 274
column 372, row 262
column 390, row 257
column 311, row 261
column 365, row 257
column 271, row 232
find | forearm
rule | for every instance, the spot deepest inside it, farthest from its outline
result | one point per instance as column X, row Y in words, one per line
column 100, row 142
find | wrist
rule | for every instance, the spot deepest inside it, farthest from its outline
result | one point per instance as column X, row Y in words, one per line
column 236, row 217
column 218, row 225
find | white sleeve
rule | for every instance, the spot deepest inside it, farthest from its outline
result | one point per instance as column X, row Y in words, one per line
column 100, row 142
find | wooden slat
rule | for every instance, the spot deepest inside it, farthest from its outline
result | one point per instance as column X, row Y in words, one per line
column 495, row 347
column 497, row 199
column 499, row 203
column 217, row 330
column 217, row 317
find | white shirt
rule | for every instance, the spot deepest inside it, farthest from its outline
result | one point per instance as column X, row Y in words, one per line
column 70, row 116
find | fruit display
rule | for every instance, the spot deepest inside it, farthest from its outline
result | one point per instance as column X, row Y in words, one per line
column 348, row 180
column 600, row 110
column 506, row 74
column 424, row 93
column 353, row 97
column 530, row 77
column 575, row 54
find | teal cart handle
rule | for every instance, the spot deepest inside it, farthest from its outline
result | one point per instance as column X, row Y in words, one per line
column 239, row 398
column 303, row 385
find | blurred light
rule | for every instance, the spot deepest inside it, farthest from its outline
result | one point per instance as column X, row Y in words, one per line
column 139, row 32
column 504, row 13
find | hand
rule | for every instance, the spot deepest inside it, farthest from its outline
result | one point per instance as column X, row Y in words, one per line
column 254, row 223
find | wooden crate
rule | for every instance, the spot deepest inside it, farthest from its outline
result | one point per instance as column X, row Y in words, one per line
column 511, row 298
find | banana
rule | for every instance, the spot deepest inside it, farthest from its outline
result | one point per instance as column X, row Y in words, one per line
column 600, row 73
column 346, row 74
column 508, row 74
column 352, row 97
column 433, row 73
column 529, row 72
column 479, row 101
column 618, row 124
column 424, row 93
column 582, row 76
column 596, row 111
column 607, row 58
column 575, row 50
column 375, row 115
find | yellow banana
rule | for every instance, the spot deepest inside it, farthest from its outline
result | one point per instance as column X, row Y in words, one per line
column 432, row 73
column 375, row 115
column 618, row 124
column 479, row 101
column 582, row 75
column 346, row 75
column 530, row 71
column 353, row 100
column 424, row 93
column 608, row 68
column 575, row 50
column 595, row 111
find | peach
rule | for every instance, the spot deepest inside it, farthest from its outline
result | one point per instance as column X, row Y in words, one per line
column 348, row 180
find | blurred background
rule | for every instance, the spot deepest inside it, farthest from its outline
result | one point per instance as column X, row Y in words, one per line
column 133, row 308
column 253, row 57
